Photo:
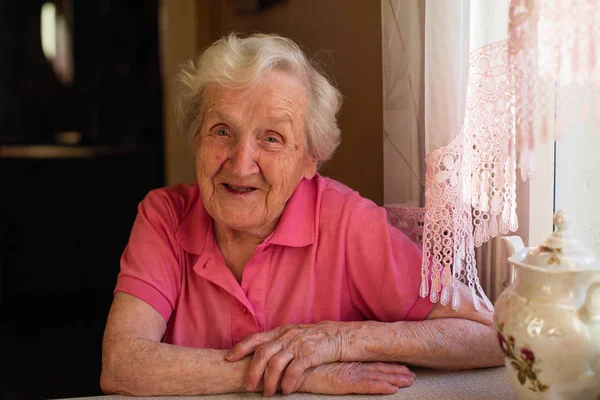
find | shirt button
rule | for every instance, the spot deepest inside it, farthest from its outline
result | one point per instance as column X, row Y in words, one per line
column 245, row 310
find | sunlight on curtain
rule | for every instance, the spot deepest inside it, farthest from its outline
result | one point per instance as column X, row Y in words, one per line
column 553, row 54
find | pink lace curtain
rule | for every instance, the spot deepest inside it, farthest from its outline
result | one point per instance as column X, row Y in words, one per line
column 469, row 183
column 470, row 177
column 498, row 77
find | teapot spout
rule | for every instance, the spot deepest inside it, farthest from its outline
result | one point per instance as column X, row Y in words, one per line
column 513, row 243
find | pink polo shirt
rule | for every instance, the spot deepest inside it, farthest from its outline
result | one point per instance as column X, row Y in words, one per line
column 333, row 256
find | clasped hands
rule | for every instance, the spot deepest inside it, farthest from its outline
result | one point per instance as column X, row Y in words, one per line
column 314, row 358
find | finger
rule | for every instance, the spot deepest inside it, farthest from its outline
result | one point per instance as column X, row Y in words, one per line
column 248, row 345
column 373, row 386
column 396, row 380
column 377, row 382
column 292, row 375
column 259, row 362
column 388, row 368
column 274, row 370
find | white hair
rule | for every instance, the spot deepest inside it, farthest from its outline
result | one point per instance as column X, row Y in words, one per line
column 234, row 61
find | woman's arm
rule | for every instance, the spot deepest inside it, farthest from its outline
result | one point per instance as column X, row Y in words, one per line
column 447, row 339
column 134, row 362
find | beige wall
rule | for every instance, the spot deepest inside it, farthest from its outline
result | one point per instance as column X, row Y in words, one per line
column 345, row 35
column 179, row 40
column 403, row 46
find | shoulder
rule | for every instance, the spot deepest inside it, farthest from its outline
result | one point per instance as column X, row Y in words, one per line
column 339, row 199
column 170, row 203
column 344, row 213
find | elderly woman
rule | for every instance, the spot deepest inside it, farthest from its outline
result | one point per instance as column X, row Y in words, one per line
column 266, row 276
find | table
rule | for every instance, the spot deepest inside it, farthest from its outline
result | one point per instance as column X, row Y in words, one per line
column 487, row 384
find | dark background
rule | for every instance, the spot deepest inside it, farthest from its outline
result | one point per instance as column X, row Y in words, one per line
column 65, row 218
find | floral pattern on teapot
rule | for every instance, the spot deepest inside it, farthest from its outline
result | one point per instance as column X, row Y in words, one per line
column 553, row 254
column 524, row 364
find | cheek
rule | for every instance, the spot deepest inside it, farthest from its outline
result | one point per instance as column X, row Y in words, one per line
column 209, row 160
column 281, row 172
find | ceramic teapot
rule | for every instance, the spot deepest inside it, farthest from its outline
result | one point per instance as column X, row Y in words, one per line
column 548, row 320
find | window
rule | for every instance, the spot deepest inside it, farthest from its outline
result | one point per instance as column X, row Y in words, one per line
column 567, row 178
column 577, row 185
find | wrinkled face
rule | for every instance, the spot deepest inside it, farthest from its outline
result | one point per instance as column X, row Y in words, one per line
column 251, row 153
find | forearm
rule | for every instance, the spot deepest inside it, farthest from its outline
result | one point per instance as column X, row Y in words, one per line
column 145, row 368
column 448, row 343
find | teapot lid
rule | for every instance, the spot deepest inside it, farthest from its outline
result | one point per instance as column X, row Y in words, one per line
column 561, row 252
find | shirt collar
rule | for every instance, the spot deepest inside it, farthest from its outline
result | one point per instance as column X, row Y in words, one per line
column 193, row 232
column 296, row 227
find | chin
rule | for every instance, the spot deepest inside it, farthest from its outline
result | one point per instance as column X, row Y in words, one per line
column 239, row 222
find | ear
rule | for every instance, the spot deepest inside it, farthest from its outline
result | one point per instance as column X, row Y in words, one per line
column 310, row 168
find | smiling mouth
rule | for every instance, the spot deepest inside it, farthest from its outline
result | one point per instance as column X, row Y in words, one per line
column 238, row 189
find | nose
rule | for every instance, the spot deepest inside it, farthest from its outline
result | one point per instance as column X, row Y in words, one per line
column 242, row 161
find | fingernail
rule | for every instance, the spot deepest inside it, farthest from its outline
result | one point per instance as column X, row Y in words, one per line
column 413, row 374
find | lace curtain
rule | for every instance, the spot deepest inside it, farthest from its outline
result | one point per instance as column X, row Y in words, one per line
column 477, row 85
column 467, row 124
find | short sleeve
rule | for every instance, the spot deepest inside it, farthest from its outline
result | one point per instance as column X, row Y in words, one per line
column 384, row 268
column 150, row 266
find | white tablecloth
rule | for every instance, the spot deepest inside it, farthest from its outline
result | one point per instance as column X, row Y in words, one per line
column 484, row 384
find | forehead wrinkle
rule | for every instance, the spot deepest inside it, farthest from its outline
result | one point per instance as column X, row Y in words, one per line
column 217, row 114
column 214, row 112
column 289, row 109
column 218, row 98
column 281, row 117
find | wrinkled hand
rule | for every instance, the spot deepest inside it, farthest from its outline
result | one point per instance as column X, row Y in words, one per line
column 290, row 348
column 356, row 378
